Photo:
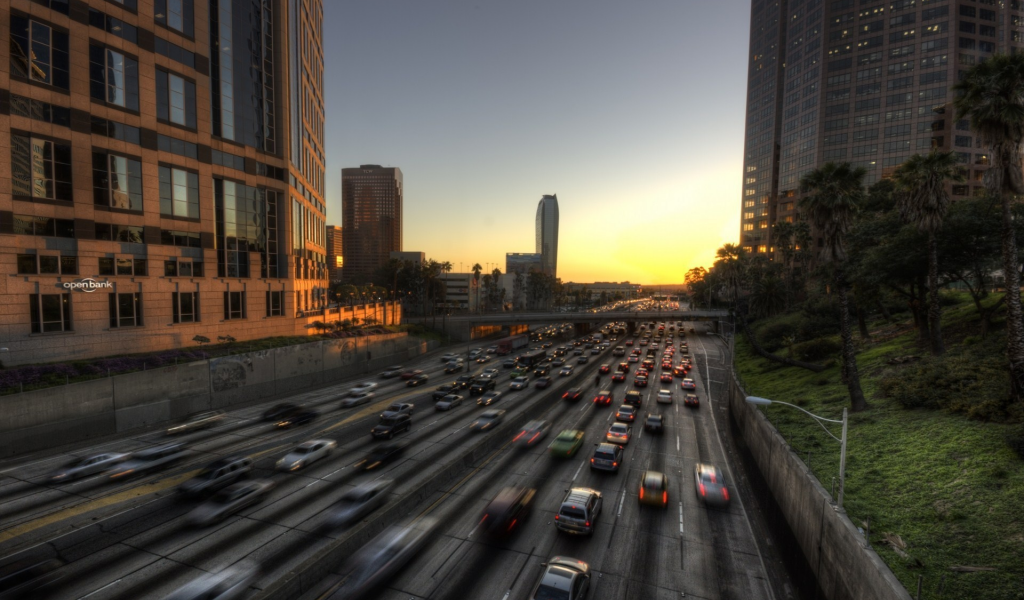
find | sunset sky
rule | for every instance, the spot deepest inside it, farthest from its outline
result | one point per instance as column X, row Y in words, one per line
column 631, row 112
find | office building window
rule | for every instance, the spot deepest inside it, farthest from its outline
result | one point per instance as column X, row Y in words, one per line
column 126, row 310
column 175, row 99
column 39, row 53
column 234, row 305
column 183, row 268
column 187, row 239
column 115, row 130
column 179, row 193
column 40, row 168
column 175, row 14
column 122, row 266
column 113, row 26
column 119, row 233
column 114, row 77
column 117, row 181
column 40, row 111
column 32, row 264
column 185, row 307
column 50, row 312
column 275, row 304
column 44, row 226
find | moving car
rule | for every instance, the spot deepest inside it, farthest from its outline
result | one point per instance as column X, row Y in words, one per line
column 582, row 360
column 448, row 402
column 679, row 371
column 619, row 433
column 542, row 382
column 508, row 509
column 233, row 582
column 228, row 501
column 508, row 363
column 392, row 372
column 87, row 466
column 449, row 357
column 382, row 557
column 604, row 369
column 541, row 371
column 688, row 384
column 361, row 388
column 653, row 489
column 607, row 457
column 217, row 475
column 444, row 389
column 464, row 381
column 390, row 425
column 357, row 503
column 417, row 380
column 279, row 410
column 633, row 398
column 711, row 488
column 618, row 377
column 603, row 398
column 149, row 460
column 518, row 383
column 487, row 420
column 299, row 417
column 357, row 399
column 398, row 408
column 565, row 371
column 691, row 400
column 481, row 385
column 532, row 432
column 626, row 414
column 579, row 511
column 654, row 424
column 381, row 455
column 567, row 443
column 489, row 398
column 202, row 420
column 407, row 375
column 640, row 381
column 664, row 397
column 455, row 366
column 563, row 578
column 572, row 394
column 306, row 454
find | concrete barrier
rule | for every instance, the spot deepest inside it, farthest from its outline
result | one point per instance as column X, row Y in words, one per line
column 72, row 413
column 845, row 566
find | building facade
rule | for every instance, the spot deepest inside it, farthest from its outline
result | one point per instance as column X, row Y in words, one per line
column 461, row 292
column 547, row 233
column 523, row 262
column 371, row 204
column 865, row 82
column 164, row 174
column 335, row 253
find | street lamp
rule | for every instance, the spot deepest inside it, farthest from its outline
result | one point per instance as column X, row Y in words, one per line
column 821, row 420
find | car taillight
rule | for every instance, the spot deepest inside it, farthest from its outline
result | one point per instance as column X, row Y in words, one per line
column 615, row 464
column 591, row 460
column 534, row 437
column 725, row 494
column 587, row 523
column 664, row 497
column 556, row 517
column 641, row 492
column 702, row 492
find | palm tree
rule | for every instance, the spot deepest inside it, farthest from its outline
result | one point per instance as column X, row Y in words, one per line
column 991, row 94
column 731, row 263
column 476, row 271
column 832, row 193
column 923, row 201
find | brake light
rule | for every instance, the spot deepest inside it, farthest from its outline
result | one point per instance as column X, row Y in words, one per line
column 591, row 460
column 534, row 437
column 664, row 497
column 615, row 464
column 641, row 492
column 702, row 492
column 725, row 493
column 556, row 517
column 587, row 523
column 512, row 524
column 521, row 434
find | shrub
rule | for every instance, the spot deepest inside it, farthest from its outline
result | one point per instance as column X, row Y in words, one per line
column 818, row 349
column 772, row 334
column 1015, row 439
column 975, row 386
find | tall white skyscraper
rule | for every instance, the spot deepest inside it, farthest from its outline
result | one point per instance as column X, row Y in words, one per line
column 547, row 233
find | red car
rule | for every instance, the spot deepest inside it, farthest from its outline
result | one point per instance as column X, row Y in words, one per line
column 666, row 378
column 629, row 342
column 691, row 400
column 618, row 377
column 604, row 369
column 573, row 394
column 640, row 381
column 603, row 398
column 411, row 374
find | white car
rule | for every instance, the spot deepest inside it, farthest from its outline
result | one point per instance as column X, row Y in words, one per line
column 306, row 454
column 398, row 408
column 448, row 402
column 664, row 397
column 565, row 371
column 492, row 372
column 449, row 357
column 87, row 466
column 232, row 582
column 357, row 399
column 519, row 383
column 361, row 388
column 392, row 372
column 228, row 501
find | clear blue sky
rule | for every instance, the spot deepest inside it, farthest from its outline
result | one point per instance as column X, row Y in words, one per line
column 632, row 112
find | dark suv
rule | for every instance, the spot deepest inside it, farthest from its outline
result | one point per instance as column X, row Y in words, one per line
column 390, row 425
column 633, row 398
column 509, row 508
column 480, row 386
column 578, row 512
column 443, row 390
column 464, row 381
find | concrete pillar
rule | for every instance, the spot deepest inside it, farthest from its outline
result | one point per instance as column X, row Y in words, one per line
column 631, row 328
column 581, row 328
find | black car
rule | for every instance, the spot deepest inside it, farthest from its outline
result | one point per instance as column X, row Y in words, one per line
column 654, row 424
column 381, row 455
column 444, row 389
column 299, row 417
column 541, row 371
column 278, row 411
column 542, row 382
column 481, row 385
column 507, row 511
column 633, row 398
column 417, row 380
column 464, row 381
column 573, row 394
column 390, row 425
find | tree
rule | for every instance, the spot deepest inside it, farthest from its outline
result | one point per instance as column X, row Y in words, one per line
column 518, row 283
column 731, row 264
column 991, row 94
column 476, row 271
column 923, row 202
column 832, row 193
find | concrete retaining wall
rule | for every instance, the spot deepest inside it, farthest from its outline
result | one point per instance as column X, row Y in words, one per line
column 846, row 568
column 71, row 413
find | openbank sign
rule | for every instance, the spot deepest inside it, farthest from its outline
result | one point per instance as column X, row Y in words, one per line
column 86, row 285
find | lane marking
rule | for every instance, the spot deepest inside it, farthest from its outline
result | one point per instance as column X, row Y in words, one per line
column 621, row 500
column 680, row 518
column 578, row 469
column 677, row 443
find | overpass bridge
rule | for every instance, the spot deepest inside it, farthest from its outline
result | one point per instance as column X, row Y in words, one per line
column 469, row 326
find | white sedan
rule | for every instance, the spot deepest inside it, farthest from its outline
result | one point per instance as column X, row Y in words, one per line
column 87, row 466
column 665, row 397
column 448, row 402
column 519, row 383
column 357, row 399
column 362, row 388
column 306, row 454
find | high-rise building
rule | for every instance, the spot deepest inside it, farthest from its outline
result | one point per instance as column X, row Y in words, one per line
column 547, row 233
column 335, row 252
column 166, row 173
column 523, row 262
column 859, row 81
column 371, row 204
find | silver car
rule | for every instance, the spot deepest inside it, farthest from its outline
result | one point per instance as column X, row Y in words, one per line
column 379, row 560
column 228, row 501
column 392, row 372
column 358, row 502
column 229, row 584
column 519, row 383
column 487, row 420
column 398, row 408
column 87, row 466
column 357, row 399
column 448, row 402
column 306, row 454
column 362, row 388
column 566, row 370
column 711, row 488
column 197, row 421
column 563, row 578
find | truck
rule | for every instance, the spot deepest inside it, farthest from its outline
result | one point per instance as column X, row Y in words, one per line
column 511, row 343
column 530, row 359
column 598, row 337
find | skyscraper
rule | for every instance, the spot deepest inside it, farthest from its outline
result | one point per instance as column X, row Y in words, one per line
column 861, row 81
column 165, row 179
column 547, row 233
column 335, row 252
column 371, row 204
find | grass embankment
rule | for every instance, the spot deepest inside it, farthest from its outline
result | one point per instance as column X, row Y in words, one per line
column 948, row 485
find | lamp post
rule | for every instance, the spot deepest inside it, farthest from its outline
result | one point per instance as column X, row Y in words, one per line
column 842, row 441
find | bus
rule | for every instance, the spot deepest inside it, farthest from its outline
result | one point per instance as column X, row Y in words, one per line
column 513, row 342
column 530, row 359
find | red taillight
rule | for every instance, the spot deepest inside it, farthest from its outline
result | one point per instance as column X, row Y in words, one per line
column 615, row 464
column 664, row 497
column 521, row 434
column 725, row 494
column 512, row 524
column 641, row 492
column 591, row 460
column 702, row 492
column 556, row 517
column 587, row 523
column 534, row 437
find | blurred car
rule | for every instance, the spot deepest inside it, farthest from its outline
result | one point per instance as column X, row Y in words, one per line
column 217, row 475
column 448, row 402
column 444, row 389
column 231, row 583
column 604, row 369
column 398, row 408
column 558, row 362
column 357, row 503
column 664, row 397
column 567, row 443
column 711, row 488
column 202, row 420
column 603, row 398
column 579, row 511
column 388, row 426
column 596, row 351
column 582, row 360
column 626, row 414
column 361, row 388
column 633, row 359
column 392, row 372
column 481, row 385
column 87, row 466
column 563, row 578
column 492, row 373
column 565, row 371
column 654, row 424
column 541, row 371
column 618, row 377
column 691, row 400
column 149, row 460
column 492, row 349
column 29, row 576
column 542, row 382
column 381, row 455
column 279, row 410
column 380, row 559
column 633, row 398
column 409, row 374
column 299, row 417
column 489, row 398
column 449, row 357
column 483, row 358
column 688, row 384
column 306, row 454
column 629, row 342
column 618, row 433
column 508, row 509
column 228, row 501
column 532, row 432
column 518, row 383
column 572, row 394
column 455, row 366
column 679, row 371
column 508, row 363
column 607, row 457
column 666, row 378
column 357, row 399
column 489, row 419
column 464, row 381
column 653, row 489
column 417, row 380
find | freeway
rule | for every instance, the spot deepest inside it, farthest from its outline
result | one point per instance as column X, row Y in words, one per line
column 131, row 540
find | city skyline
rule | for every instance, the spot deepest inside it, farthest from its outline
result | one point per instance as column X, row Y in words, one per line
column 487, row 107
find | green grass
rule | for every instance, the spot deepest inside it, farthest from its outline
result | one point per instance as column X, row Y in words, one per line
column 949, row 486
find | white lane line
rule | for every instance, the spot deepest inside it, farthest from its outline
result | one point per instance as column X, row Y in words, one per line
column 677, row 443
column 100, row 589
column 680, row 517
column 621, row 500
column 578, row 469
column 505, row 597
